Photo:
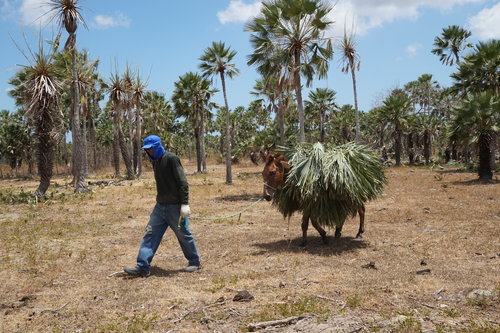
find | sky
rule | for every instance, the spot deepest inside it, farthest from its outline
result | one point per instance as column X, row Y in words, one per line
column 164, row 39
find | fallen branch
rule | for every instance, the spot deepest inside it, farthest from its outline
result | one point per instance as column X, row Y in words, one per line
column 181, row 318
column 280, row 322
column 336, row 301
column 55, row 310
column 113, row 274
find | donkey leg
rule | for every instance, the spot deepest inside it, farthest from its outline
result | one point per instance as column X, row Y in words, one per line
column 361, row 212
column 321, row 231
column 305, row 225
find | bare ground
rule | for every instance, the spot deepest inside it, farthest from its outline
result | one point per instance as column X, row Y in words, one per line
column 429, row 260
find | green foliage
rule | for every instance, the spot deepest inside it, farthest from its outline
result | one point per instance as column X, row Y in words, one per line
column 329, row 184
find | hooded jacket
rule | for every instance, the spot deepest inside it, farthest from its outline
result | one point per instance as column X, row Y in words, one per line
column 171, row 183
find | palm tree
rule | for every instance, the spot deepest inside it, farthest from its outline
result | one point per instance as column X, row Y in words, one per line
column 479, row 70
column 322, row 100
column 216, row 60
column 67, row 13
column 138, row 91
column 395, row 107
column 42, row 88
column 191, row 99
column 117, row 96
column 479, row 117
column 450, row 44
column 350, row 61
column 288, row 40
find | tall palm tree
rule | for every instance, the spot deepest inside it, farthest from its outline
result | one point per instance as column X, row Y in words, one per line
column 321, row 100
column 216, row 60
column 138, row 91
column 396, row 106
column 68, row 15
column 118, row 95
column 191, row 99
column 479, row 117
column 288, row 39
column 351, row 62
column 42, row 95
column 450, row 44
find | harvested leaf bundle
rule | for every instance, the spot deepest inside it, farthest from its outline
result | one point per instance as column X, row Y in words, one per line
column 329, row 184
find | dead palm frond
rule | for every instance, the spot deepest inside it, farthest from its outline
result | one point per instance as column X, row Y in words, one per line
column 329, row 183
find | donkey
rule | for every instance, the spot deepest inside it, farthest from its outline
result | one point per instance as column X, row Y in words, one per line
column 275, row 172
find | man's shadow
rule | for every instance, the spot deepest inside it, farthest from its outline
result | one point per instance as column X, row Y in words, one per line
column 156, row 271
column 315, row 246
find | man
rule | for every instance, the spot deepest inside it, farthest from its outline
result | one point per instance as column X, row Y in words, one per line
column 171, row 210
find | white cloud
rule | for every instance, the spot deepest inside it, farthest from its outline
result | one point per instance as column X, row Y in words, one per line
column 412, row 49
column 107, row 21
column 369, row 14
column 34, row 12
column 239, row 11
column 485, row 25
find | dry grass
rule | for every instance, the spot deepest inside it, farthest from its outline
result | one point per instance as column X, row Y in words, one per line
column 55, row 258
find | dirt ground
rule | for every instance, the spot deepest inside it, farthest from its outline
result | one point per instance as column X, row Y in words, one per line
column 429, row 260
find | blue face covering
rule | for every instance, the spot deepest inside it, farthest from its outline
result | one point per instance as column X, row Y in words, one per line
column 154, row 142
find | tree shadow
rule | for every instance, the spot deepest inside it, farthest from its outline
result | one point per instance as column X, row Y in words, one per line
column 242, row 197
column 315, row 246
column 475, row 182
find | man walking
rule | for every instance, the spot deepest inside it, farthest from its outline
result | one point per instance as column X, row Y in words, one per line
column 171, row 210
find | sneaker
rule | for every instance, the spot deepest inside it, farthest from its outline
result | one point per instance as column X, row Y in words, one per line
column 192, row 268
column 136, row 271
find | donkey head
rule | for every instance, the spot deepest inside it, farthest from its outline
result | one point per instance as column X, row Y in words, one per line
column 274, row 173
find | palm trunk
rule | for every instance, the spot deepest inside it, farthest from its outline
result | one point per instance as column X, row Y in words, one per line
column 84, row 145
column 198, row 150
column 202, row 144
column 427, row 146
column 229, row 179
column 131, row 150
column 93, row 139
column 411, row 152
column 484, row 170
column 78, row 168
column 281, row 121
column 116, row 146
column 322, row 126
column 45, row 153
column 356, row 111
column 397, row 148
column 125, row 149
column 138, row 131
column 298, row 93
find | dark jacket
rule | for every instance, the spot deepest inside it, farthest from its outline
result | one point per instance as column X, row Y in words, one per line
column 171, row 183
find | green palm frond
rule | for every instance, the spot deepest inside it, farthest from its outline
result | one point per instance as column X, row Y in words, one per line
column 329, row 183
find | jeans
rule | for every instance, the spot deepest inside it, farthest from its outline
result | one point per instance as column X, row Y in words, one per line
column 162, row 217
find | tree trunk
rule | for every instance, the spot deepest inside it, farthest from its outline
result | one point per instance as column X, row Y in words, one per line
column 78, row 167
column 397, row 148
column 116, row 149
column 198, row 149
column 138, row 131
column 322, row 126
column 411, row 151
column 484, row 144
column 45, row 153
column 281, row 121
column 84, row 145
column 202, row 143
column 356, row 111
column 427, row 146
column 298, row 93
column 125, row 149
column 229, row 179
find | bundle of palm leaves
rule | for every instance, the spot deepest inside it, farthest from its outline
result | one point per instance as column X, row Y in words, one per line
column 329, row 183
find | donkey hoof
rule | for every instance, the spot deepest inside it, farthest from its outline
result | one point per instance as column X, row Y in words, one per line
column 338, row 234
column 325, row 240
column 359, row 235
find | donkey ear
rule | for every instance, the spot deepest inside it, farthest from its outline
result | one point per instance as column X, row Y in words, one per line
column 263, row 154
